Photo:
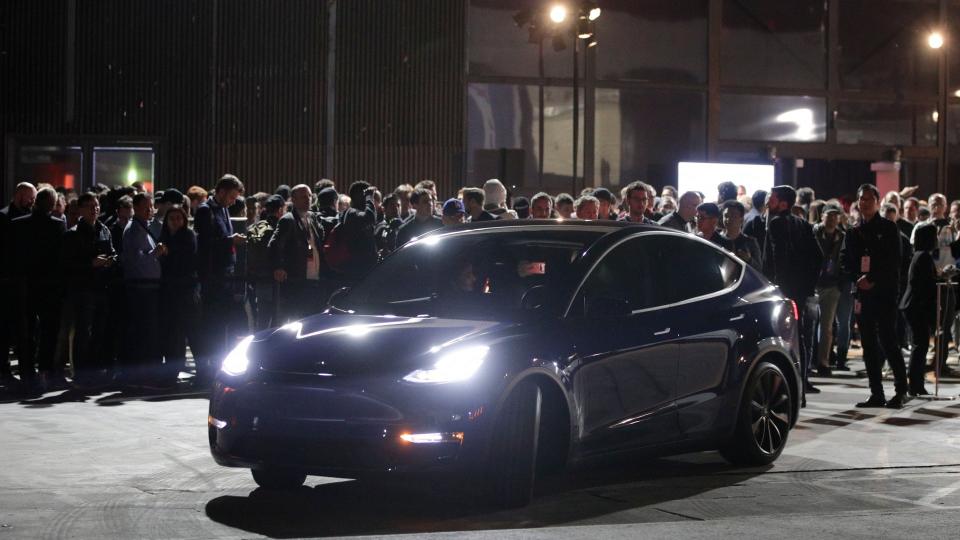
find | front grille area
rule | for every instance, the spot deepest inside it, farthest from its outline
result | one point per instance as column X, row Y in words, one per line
column 317, row 404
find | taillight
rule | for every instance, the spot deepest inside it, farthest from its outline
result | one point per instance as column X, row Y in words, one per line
column 786, row 322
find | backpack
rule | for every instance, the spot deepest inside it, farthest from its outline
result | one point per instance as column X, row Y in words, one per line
column 259, row 264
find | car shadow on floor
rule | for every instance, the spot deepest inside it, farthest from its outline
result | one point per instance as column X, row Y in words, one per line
column 106, row 395
column 423, row 505
column 119, row 398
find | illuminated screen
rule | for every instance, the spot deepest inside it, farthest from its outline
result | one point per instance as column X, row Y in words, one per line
column 122, row 166
column 705, row 177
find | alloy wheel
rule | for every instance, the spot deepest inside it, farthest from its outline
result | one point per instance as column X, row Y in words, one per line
column 770, row 412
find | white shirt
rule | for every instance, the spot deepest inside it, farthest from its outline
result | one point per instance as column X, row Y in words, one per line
column 313, row 263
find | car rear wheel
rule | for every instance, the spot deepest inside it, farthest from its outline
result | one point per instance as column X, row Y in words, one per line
column 764, row 419
column 278, row 479
column 509, row 472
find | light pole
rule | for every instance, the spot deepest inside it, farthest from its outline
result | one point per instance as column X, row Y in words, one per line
column 936, row 41
column 555, row 21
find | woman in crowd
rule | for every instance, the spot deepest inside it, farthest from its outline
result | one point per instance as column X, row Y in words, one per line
column 179, row 294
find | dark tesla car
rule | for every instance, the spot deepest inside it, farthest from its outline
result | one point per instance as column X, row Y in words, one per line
column 509, row 349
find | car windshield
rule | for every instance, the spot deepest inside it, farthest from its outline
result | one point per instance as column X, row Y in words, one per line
column 473, row 275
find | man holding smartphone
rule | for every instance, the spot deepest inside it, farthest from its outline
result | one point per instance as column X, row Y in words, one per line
column 216, row 261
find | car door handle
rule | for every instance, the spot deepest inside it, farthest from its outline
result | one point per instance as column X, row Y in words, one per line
column 739, row 317
column 662, row 332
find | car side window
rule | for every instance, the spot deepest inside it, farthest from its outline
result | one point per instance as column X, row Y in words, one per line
column 623, row 275
column 690, row 269
column 658, row 270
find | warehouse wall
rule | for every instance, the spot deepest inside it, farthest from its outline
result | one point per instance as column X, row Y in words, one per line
column 241, row 85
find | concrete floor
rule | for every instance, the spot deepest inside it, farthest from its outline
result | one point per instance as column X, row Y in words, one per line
column 76, row 466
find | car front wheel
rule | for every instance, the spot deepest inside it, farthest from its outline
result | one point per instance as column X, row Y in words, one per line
column 764, row 419
column 509, row 472
column 278, row 479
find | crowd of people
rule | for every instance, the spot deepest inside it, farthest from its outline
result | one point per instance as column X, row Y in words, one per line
column 110, row 286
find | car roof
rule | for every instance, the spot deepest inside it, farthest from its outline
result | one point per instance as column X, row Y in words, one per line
column 585, row 225
column 561, row 227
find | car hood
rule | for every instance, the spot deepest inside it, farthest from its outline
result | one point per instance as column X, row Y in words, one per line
column 335, row 345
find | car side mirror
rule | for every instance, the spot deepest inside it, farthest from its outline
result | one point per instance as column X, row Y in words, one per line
column 337, row 295
column 606, row 307
column 535, row 298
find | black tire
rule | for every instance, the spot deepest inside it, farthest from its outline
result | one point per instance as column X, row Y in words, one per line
column 278, row 479
column 510, row 469
column 764, row 419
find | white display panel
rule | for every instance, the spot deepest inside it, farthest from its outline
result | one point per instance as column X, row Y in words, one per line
column 705, row 177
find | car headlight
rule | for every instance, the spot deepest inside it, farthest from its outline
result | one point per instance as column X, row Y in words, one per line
column 236, row 362
column 453, row 366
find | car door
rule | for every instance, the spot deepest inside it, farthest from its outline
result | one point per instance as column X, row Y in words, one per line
column 699, row 281
column 624, row 369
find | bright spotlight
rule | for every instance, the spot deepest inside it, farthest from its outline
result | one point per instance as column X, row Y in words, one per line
column 558, row 13
column 935, row 40
column 594, row 14
column 957, row 93
column 935, row 116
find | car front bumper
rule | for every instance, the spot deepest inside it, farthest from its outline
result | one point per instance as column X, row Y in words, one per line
column 338, row 431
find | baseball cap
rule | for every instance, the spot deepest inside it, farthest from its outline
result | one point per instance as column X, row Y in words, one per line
column 453, row 207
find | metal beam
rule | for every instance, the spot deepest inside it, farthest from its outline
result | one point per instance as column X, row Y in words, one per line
column 714, row 31
column 944, row 79
column 329, row 123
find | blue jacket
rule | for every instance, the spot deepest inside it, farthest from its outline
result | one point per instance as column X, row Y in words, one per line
column 216, row 256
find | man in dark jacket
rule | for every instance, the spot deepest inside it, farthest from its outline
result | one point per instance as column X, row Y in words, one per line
column 755, row 222
column 216, row 260
column 744, row 246
column 473, row 200
column 386, row 231
column 891, row 212
column 35, row 252
column 351, row 248
column 607, row 203
column 296, row 252
column 871, row 256
column 326, row 209
column 707, row 220
column 88, row 258
column 792, row 259
column 682, row 219
column 424, row 221
column 21, row 205
column 919, row 304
